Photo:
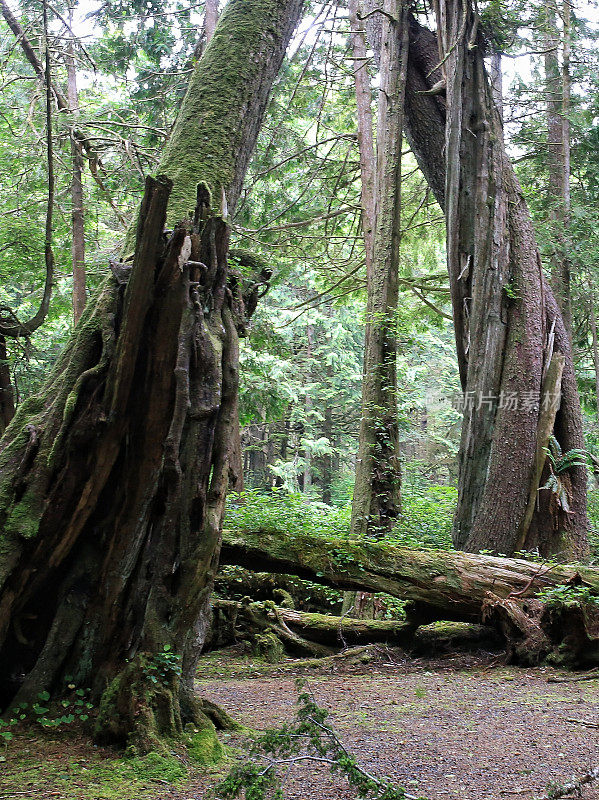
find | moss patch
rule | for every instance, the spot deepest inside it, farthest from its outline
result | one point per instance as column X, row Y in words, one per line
column 205, row 748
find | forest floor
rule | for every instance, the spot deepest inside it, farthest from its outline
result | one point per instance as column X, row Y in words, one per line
column 461, row 727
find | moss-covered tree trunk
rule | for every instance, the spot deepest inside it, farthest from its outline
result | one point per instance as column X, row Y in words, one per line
column 376, row 501
column 113, row 478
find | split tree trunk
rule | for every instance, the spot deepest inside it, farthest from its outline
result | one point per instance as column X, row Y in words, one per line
column 443, row 585
column 377, row 490
column 113, row 485
column 113, row 478
column 508, row 325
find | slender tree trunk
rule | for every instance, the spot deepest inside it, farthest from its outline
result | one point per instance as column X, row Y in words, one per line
column 307, row 477
column 77, row 201
column 210, row 18
column 113, row 479
column 376, row 502
column 7, row 394
column 327, row 459
column 497, row 82
column 558, row 159
column 594, row 343
column 365, row 130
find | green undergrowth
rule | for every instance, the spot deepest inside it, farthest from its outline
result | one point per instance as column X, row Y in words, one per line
column 66, row 764
column 425, row 522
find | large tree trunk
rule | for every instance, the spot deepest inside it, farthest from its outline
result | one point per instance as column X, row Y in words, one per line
column 113, row 484
column 443, row 585
column 113, row 478
column 508, row 325
column 377, row 500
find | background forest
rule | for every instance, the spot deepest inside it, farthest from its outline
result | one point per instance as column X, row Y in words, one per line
column 124, row 66
column 120, row 359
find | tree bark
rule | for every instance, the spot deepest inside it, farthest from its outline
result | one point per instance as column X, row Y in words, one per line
column 210, row 18
column 377, row 499
column 594, row 342
column 507, row 322
column 113, row 478
column 7, row 393
column 442, row 585
column 365, row 130
column 77, row 201
column 558, row 156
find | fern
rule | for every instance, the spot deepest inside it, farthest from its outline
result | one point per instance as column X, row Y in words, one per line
column 559, row 463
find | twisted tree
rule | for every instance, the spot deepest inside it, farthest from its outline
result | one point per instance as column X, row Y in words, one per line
column 514, row 352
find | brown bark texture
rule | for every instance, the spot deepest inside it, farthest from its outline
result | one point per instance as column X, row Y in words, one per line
column 377, row 490
column 507, row 322
column 114, row 477
column 77, row 196
column 558, row 155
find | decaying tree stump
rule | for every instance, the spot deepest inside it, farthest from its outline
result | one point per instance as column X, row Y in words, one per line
column 113, row 482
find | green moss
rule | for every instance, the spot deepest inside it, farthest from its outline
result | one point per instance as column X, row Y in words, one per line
column 155, row 765
column 269, row 647
column 95, row 773
column 204, row 747
column 24, row 518
column 207, row 135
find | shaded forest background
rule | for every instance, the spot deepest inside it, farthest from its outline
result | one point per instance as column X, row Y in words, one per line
column 124, row 67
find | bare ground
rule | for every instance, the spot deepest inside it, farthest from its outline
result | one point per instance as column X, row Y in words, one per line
column 456, row 728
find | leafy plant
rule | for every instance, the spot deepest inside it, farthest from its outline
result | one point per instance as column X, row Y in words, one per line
column 163, row 666
column 560, row 463
column 568, row 594
column 66, row 711
column 309, row 739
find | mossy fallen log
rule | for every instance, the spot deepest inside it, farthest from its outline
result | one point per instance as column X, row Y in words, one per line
column 447, row 585
column 286, row 591
column 301, row 632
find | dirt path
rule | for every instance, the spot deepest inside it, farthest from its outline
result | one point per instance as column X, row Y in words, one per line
column 478, row 733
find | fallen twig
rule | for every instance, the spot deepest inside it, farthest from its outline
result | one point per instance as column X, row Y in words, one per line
column 593, row 675
column 584, row 722
column 573, row 787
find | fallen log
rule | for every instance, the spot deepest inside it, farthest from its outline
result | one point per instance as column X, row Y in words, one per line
column 300, row 632
column 444, row 585
column 235, row 583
